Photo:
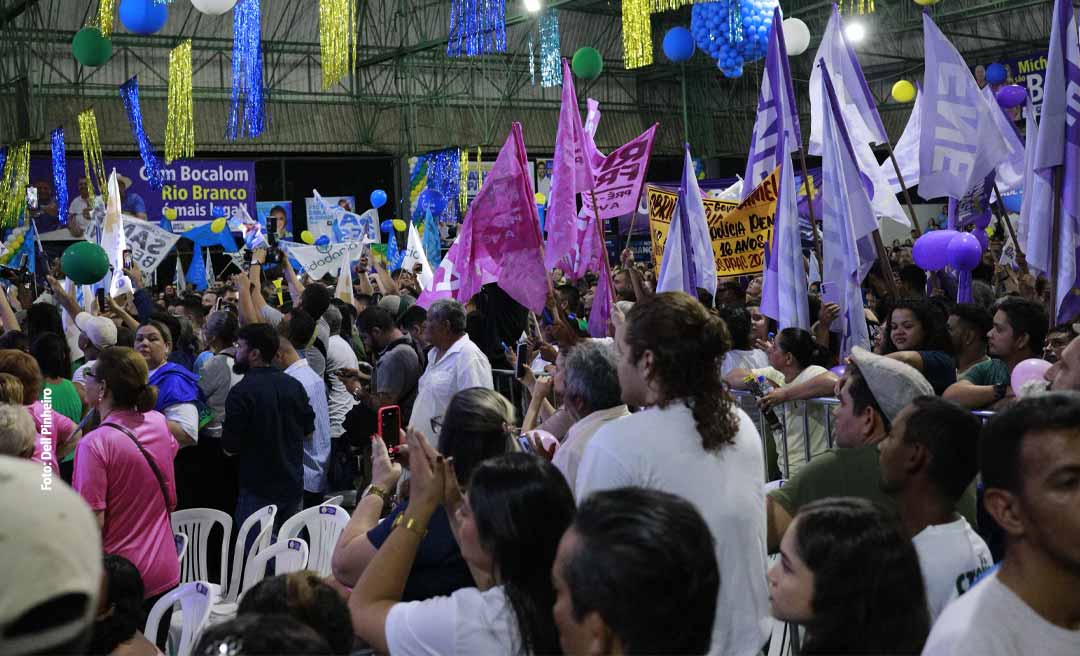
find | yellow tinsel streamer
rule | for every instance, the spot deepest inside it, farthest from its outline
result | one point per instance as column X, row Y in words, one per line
column 463, row 171
column 93, row 164
column 16, row 177
column 479, row 169
column 667, row 5
column 106, row 16
column 852, row 7
column 337, row 39
column 180, row 128
column 637, row 33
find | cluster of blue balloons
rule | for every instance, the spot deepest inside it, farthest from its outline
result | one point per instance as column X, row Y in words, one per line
column 711, row 26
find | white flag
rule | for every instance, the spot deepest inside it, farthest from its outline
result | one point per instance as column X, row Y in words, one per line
column 414, row 254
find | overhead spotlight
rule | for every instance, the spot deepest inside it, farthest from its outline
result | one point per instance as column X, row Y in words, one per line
column 855, row 32
column 533, row 6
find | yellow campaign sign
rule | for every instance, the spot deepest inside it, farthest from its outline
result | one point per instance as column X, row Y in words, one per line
column 739, row 231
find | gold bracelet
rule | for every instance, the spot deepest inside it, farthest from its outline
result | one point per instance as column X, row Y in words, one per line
column 410, row 525
column 375, row 490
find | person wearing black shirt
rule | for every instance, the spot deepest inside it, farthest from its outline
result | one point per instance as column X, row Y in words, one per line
column 267, row 417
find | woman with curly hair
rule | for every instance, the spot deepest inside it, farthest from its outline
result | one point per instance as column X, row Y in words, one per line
column 917, row 333
column 690, row 439
column 850, row 576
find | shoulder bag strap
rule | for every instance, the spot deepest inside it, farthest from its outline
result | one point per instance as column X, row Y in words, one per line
column 149, row 461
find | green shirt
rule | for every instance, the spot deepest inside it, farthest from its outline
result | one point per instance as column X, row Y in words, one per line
column 848, row 473
column 989, row 372
column 65, row 399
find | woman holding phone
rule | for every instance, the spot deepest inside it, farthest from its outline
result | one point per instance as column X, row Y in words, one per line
column 474, row 428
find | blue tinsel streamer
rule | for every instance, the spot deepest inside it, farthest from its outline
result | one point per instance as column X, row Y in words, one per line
column 247, row 89
column 129, row 93
column 550, row 55
column 532, row 62
column 443, row 176
column 477, row 27
column 59, row 173
column 3, row 160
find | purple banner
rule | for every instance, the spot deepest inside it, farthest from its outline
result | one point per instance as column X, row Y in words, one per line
column 192, row 192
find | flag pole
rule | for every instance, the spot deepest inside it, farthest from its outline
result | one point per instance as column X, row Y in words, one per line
column 1059, row 181
column 808, row 183
column 603, row 245
column 904, row 189
column 1004, row 216
column 886, row 266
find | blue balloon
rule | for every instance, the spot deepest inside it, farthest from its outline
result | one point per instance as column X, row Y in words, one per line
column 429, row 199
column 387, row 225
column 711, row 30
column 322, row 241
column 1013, row 202
column 678, row 44
column 931, row 251
column 143, row 16
column 996, row 73
column 378, row 198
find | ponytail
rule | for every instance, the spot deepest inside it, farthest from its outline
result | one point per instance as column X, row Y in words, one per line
column 802, row 346
column 146, row 398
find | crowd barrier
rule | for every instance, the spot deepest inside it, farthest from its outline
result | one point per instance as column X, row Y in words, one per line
column 507, row 385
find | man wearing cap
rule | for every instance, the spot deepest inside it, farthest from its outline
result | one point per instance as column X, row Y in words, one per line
column 872, row 393
column 52, row 572
column 131, row 203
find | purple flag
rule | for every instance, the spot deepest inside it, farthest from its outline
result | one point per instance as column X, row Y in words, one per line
column 1035, row 227
column 847, row 225
column 1059, row 146
column 600, row 314
column 571, row 174
column 1010, row 173
column 688, row 262
column 500, row 237
column 776, row 131
column 960, row 144
column 858, row 108
column 906, row 150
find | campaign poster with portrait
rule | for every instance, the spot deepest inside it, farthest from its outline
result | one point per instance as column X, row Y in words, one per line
column 276, row 216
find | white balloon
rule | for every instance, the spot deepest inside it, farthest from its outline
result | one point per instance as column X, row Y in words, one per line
column 796, row 36
column 213, row 7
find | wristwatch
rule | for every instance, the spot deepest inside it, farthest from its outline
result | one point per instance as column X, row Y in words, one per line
column 377, row 491
column 1000, row 391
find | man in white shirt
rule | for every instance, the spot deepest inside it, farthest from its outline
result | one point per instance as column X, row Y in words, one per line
column 591, row 394
column 927, row 461
column 78, row 213
column 1029, row 456
column 669, row 354
column 455, row 363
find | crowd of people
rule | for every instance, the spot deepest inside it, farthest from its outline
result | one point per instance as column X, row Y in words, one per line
column 677, row 487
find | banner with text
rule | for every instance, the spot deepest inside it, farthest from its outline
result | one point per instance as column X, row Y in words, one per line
column 318, row 261
column 619, row 180
column 739, row 231
column 149, row 244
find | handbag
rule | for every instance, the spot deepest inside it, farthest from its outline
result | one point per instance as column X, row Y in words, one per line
column 149, row 461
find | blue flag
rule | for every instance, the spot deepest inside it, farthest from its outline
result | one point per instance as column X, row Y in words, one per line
column 847, row 225
column 394, row 255
column 432, row 240
column 688, row 262
column 205, row 236
column 196, row 273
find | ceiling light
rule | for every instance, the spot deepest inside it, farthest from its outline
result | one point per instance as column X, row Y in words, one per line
column 855, row 32
column 533, row 6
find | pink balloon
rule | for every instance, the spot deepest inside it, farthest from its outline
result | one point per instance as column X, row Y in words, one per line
column 1027, row 371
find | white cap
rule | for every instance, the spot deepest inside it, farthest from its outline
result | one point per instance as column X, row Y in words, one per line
column 50, row 546
column 894, row 384
column 101, row 331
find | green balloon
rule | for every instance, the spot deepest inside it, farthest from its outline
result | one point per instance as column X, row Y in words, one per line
column 90, row 47
column 587, row 63
column 85, row 263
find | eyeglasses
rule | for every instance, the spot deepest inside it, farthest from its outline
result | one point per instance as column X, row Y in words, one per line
column 437, row 424
column 92, row 374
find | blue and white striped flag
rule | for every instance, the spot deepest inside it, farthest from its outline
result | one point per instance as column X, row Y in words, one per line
column 688, row 261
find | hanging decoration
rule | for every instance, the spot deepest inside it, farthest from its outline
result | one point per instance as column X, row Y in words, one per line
column 435, row 185
column 3, row 160
column 143, row 16
column 337, row 39
column 463, row 182
column 532, row 61
column 550, row 50
column 59, row 172
column 477, row 27
column 13, row 186
column 657, row 6
column 106, row 16
column 93, row 164
column 851, row 7
column 479, row 169
column 180, row 128
column 163, row 2
column 129, row 93
column 90, row 48
column 733, row 32
column 637, row 33
column 735, row 23
column 247, row 89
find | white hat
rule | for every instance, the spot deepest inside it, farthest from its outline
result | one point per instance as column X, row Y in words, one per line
column 894, row 384
column 101, row 331
column 51, row 546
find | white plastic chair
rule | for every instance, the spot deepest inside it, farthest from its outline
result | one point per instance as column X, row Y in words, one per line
column 288, row 555
column 225, row 605
column 181, row 542
column 333, row 501
column 324, row 524
column 197, row 523
column 194, row 600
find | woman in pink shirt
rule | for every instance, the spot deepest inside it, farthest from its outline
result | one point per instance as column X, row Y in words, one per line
column 124, row 469
column 54, row 430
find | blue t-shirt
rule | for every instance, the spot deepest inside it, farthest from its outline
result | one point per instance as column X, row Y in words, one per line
column 439, row 568
column 133, row 204
column 939, row 369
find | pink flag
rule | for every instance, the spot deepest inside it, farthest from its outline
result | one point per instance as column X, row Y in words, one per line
column 592, row 121
column 571, row 174
column 500, row 238
column 619, row 179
